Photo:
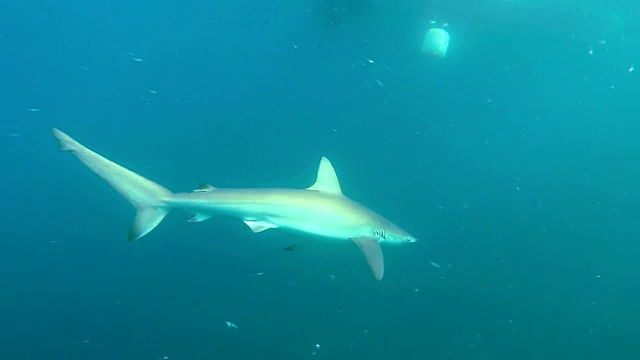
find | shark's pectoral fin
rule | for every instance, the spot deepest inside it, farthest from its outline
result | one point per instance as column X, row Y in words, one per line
column 199, row 218
column 259, row 226
column 373, row 254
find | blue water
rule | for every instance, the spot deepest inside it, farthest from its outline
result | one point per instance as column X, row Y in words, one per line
column 514, row 161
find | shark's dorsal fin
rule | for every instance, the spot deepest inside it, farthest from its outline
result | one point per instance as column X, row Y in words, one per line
column 204, row 188
column 326, row 180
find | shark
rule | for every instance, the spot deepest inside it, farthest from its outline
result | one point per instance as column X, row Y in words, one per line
column 321, row 210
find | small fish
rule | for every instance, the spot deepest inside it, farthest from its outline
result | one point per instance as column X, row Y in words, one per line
column 231, row 325
column 134, row 58
column 435, row 265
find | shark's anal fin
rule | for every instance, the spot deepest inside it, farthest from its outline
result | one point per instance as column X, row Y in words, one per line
column 373, row 254
column 301, row 246
column 259, row 226
column 292, row 247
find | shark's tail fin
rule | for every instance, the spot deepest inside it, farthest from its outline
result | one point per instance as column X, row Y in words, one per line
column 148, row 197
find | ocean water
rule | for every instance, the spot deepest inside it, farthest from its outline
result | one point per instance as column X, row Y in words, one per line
column 513, row 160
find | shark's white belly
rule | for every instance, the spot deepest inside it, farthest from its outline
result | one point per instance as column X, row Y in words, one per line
column 311, row 222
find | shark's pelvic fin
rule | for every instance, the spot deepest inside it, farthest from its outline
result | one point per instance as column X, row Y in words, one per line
column 373, row 254
column 326, row 180
column 259, row 226
column 145, row 195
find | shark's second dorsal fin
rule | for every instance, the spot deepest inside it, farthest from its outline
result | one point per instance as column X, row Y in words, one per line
column 327, row 180
column 204, row 188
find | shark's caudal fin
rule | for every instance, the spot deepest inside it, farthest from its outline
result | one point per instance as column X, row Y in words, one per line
column 147, row 196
